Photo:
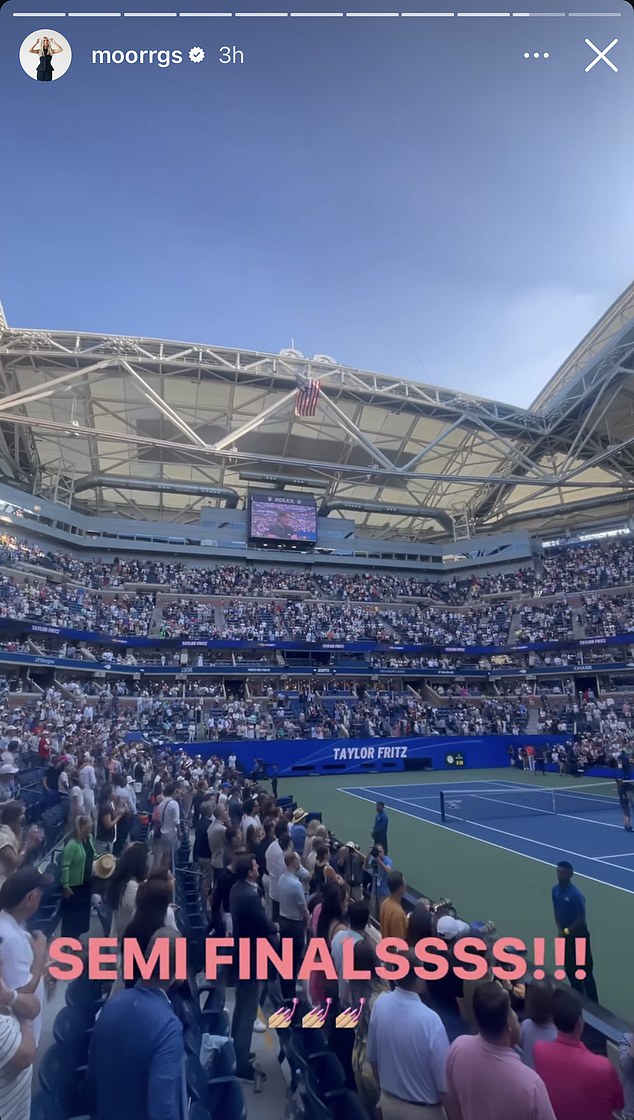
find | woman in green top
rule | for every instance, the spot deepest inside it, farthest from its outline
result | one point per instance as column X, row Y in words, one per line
column 77, row 861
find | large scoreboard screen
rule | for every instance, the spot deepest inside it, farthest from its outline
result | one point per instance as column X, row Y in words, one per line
column 282, row 518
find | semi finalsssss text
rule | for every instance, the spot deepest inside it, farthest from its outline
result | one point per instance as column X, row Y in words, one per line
column 254, row 959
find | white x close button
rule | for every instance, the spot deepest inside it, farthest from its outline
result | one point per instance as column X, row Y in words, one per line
column 601, row 56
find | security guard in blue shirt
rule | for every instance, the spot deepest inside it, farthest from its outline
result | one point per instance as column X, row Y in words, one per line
column 569, row 906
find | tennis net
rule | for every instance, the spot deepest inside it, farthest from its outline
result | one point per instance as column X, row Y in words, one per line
column 496, row 804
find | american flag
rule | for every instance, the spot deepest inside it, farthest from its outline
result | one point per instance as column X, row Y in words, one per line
column 306, row 398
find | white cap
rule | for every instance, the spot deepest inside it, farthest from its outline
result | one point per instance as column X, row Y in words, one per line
column 449, row 928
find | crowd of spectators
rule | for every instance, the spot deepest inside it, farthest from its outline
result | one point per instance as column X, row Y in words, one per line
column 544, row 624
column 605, row 616
column 476, row 1060
column 268, row 866
column 326, row 606
column 589, row 566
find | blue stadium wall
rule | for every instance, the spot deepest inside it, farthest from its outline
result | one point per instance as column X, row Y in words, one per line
column 303, row 757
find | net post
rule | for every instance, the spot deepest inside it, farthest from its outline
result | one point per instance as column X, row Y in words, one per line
column 442, row 807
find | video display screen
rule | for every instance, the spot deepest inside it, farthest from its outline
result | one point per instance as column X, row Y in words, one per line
column 280, row 517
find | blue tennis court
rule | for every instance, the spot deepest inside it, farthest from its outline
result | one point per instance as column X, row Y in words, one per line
column 587, row 829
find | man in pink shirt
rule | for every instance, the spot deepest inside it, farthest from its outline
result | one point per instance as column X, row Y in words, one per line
column 485, row 1075
column 581, row 1085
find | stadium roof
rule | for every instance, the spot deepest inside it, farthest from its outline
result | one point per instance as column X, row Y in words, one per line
column 150, row 428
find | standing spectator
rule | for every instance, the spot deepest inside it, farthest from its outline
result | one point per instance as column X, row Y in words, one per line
column 569, row 907
column 125, row 800
column 138, row 1036
column 298, row 831
column 249, row 819
column 14, row 850
column 446, row 994
column 197, row 800
column 407, row 1048
column 379, row 832
column 485, row 1074
column 365, row 960
column 123, row 885
column 538, row 1025
column 349, row 865
column 393, row 916
column 328, row 919
column 17, row 1051
column 107, row 820
column 249, row 920
column 358, row 917
column 7, row 781
column 202, row 852
column 581, row 1085
column 88, row 783
column 169, row 826
column 154, row 910
column 77, row 860
column 76, row 802
column 224, row 881
column 22, row 954
column 275, row 865
column 293, row 916
column 216, row 836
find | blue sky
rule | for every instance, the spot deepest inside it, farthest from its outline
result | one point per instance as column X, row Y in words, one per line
column 408, row 196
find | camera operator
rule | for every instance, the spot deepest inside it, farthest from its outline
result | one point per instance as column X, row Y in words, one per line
column 377, row 868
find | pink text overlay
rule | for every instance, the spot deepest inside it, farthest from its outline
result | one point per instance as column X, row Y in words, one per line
column 471, row 958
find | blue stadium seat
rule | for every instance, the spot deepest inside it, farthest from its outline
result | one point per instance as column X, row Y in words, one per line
column 43, row 1107
column 72, row 1030
column 221, row 1096
column 64, row 1080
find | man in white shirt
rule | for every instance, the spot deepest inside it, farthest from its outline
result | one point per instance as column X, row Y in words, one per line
column 216, row 834
column 358, row 917
column 293, row 915
column 249, row 818
column 169, row 824
column 407, row 1048
column 22, row 954
column 88, row 783
column 275, row 866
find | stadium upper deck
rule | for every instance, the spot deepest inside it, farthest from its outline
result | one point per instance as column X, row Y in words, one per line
column 153, row 429
column 590, row 584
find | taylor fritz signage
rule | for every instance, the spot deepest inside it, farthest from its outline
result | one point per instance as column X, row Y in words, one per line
column 369, row 752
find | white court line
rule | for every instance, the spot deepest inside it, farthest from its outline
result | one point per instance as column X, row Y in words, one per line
column 617, row 855
column 93, row 15
column 593, row 15
column 430, row 15
column 41, row 15
column 317, row 15
column 502, row 832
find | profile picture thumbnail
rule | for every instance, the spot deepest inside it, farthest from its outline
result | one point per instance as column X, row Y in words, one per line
column 45, row 55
